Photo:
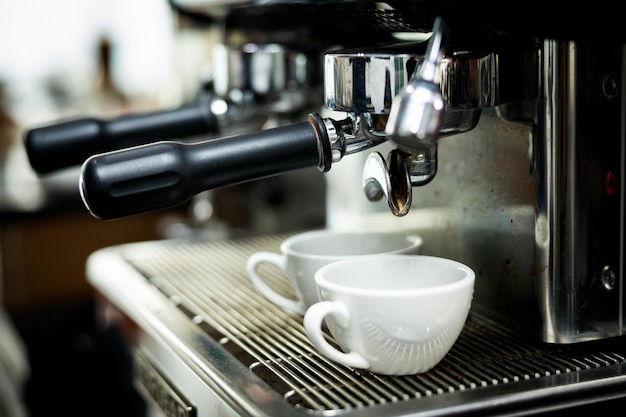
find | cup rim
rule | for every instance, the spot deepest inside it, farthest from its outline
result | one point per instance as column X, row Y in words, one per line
column 287, row 249
column 467, row 280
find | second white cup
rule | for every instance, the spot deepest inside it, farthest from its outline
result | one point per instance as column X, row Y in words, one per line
column 303, row 254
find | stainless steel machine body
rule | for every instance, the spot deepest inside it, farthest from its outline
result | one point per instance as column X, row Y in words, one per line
column 531, row 197
column 513, row 163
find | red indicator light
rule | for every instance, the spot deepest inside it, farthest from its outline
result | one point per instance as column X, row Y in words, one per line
column 610, row 184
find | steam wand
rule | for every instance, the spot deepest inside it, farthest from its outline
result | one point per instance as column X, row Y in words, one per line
column 414, row 124
column 415, row 118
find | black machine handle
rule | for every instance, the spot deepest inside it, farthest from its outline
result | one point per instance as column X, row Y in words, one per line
column 70, row 143
column 166, row 174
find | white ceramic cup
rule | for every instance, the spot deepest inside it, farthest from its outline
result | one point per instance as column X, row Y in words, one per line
column 390, row 314
column 303, row 254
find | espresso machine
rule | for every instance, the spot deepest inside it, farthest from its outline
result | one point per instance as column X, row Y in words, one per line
column 497, row 135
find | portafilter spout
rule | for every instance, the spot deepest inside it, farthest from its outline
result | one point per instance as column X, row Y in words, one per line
column 395, row 177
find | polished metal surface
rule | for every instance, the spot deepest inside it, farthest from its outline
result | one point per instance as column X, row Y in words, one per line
column 211, row 336
column 259, row 86
column 366, row 80
column 393, row 183
column 256, row 73
column 365, row 83
column 529, row 197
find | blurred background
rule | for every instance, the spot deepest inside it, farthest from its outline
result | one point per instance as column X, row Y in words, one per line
column 71, row 58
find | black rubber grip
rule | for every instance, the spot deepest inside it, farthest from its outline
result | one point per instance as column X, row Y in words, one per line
column 166, row 174
column 69, row 143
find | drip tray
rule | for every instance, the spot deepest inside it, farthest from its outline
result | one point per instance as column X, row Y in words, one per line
column 195, row 297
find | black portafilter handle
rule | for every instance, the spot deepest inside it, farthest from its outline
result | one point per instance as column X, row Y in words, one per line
column 166, row 174
column 69, row 143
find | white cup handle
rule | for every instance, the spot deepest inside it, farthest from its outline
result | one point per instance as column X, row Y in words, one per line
column 313, row 320
column 280, row 262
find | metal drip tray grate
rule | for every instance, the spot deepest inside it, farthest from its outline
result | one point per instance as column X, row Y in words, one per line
column 208, row 282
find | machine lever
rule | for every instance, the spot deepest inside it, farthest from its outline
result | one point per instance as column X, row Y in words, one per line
column 69, row 143
column 165, row 174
